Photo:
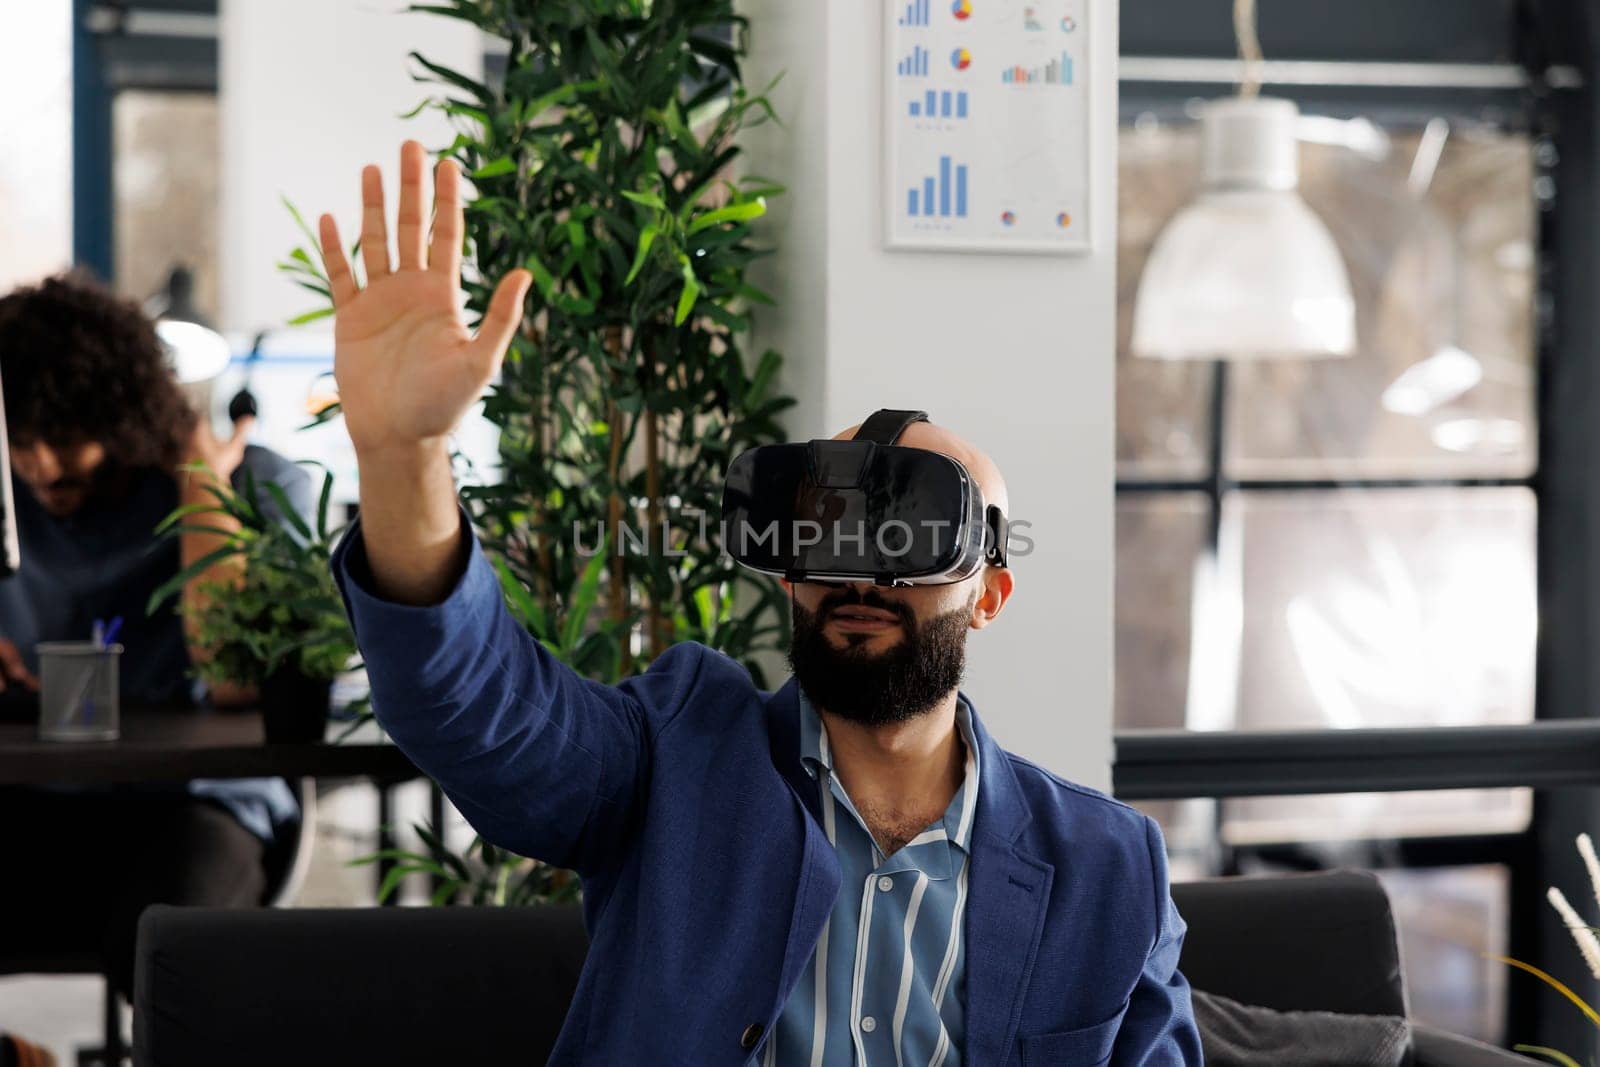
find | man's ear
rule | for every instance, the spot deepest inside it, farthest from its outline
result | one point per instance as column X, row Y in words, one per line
column 992, row 595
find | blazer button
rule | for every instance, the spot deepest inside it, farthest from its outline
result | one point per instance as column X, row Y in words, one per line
column 751, row 1035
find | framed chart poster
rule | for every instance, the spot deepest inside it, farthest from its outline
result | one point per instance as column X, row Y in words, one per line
column 986, row 125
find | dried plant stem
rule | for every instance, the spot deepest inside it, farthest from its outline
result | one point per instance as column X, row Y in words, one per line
column 1588, row 943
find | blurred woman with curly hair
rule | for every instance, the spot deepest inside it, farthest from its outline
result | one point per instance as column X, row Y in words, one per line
column 101, row 434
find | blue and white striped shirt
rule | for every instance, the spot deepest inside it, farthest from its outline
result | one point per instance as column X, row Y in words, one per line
column 886, row 985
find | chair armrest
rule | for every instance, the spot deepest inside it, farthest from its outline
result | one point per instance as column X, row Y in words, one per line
column 1437, row 1048
column 1300, row 942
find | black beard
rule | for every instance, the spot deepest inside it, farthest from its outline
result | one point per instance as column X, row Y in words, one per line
column 876, row 690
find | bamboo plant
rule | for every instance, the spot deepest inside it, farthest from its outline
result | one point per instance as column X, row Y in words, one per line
column 604, row 160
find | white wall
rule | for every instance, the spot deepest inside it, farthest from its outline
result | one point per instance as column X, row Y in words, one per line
column 36, row 132
column 1014, row 352
column 311, row 90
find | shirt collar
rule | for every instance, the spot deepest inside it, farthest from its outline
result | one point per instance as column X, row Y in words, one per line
column 816, row 757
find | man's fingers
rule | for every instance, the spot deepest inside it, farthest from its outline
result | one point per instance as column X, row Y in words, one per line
column 444, row 255
column 374, row 231
column 340, row 280
column 504, row 316
column 409, row 230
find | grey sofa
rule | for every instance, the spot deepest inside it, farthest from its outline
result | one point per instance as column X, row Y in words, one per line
column 482, row 986
column 1310, row 942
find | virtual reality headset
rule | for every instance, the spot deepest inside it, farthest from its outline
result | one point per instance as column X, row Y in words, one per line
column 863, row 510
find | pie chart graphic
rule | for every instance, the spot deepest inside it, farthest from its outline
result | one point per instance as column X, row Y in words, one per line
column 1069, row 24
column 1063, row 220
column 1008, row 217
column 961, row 9
column 961, row 59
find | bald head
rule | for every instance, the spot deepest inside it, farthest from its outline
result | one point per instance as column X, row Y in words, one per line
column 934, row 438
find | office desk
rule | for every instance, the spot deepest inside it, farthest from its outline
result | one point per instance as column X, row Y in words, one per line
column 177, row 744
column 174, row 744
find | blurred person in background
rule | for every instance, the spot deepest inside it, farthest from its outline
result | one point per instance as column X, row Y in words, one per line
column 100, row 434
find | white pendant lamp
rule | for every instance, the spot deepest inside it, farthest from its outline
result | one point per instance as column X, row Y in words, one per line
column 195, row 352
column 1247, row 271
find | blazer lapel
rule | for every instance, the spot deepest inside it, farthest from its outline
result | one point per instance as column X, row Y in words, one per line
column 1009, row 893
column 818, row 876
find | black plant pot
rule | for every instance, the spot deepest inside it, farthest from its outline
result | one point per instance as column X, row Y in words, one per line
column 294, row 708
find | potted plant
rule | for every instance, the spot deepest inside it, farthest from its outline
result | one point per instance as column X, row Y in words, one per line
column 605, row 158
column 282, row 628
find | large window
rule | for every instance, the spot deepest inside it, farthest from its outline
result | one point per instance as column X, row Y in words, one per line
column 166, row 175
column 1350, row 542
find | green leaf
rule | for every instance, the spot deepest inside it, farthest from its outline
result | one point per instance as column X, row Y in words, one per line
column 583, row 600
column 300, row 222
column 542, row 278
column 322, row 505
column 1555, row 1055
column 503, row 165
column 310, row 316
column 739, row 212
column 414, row 112
column 287, row 510
column 539, row 105
column 179, row 514
column 647, row 237
column 691, row 293
column 327, row 414
column 528, row 610
column 193, row 528
column 451, row 77
column 760, row 381
column 475, row 113
column 464, row 12
column 646, row 199
column 176, row 583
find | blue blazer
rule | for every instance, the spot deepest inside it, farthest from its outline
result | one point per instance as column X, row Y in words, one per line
column 680, row 799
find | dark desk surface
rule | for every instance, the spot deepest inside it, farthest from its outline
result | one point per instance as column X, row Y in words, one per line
column 179, row 744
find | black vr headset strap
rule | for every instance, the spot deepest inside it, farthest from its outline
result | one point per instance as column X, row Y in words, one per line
column 999, row 532
column 884, row 426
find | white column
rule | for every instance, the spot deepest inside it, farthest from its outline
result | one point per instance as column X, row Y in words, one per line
column 1015, row 352
column 311, row 90
column 36, row 122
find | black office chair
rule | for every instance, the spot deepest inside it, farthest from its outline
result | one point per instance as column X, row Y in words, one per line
column 287, row 862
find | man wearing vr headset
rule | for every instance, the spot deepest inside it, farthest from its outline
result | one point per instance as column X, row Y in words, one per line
column 849, row 870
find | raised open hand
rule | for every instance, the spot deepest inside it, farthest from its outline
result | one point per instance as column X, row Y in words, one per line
column 407, row 366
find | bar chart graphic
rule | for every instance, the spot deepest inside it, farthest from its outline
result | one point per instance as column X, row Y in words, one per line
column 915, row 65
column 940, row 104
column 916, row 13
column 1056, row 72
column 943, row 195
column 989, row 153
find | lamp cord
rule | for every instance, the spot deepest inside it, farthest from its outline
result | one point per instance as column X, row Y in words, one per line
column 1244, row 33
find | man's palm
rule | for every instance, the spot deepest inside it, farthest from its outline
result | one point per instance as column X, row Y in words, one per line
column 408, row 368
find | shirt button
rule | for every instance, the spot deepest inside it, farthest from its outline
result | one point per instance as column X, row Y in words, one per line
column 886, row 883
column 868, row 1024
column 751, row 1035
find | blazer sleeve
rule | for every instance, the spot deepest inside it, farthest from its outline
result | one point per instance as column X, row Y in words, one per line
column 1158, row 1029
column 539, row 759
